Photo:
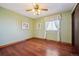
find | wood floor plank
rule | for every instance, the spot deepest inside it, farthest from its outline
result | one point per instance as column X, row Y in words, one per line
column 38, row 47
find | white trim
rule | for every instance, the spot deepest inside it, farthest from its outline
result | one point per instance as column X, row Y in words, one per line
column 73, row 8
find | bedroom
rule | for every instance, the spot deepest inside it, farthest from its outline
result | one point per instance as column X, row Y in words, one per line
column 39, row 29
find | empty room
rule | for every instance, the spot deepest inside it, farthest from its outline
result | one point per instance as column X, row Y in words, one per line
column 39, row 29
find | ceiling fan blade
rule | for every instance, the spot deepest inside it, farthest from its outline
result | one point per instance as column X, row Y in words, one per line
column 29, row 10
column 44, row 9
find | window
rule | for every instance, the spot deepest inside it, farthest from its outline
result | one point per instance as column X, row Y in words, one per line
column 52, row 25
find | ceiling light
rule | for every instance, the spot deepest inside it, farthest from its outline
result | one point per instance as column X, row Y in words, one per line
column 36, row 9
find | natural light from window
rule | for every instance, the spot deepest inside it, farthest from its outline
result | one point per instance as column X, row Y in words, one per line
column 52, row 25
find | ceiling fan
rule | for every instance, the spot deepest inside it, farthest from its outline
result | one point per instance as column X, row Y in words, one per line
column 36, row 9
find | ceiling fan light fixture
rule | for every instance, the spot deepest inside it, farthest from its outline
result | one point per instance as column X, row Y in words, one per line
column 39, row 10
column 33, row 10
column 36, row 9
column 36, row 13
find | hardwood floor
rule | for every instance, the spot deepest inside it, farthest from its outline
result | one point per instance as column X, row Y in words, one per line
column 38, row 47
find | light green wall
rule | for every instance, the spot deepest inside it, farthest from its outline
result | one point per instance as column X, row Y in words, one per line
column 10, row 27
column 51, row 35
column 66, row 27
column 65, row 34
column 11, row 31
column 39, row 32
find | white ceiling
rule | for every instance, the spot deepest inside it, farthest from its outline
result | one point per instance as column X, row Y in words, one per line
column 52, row 8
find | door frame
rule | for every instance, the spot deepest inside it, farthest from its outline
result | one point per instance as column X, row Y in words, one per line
column 73, row 31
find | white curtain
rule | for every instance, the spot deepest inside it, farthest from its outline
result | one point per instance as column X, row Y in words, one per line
column 53, row 24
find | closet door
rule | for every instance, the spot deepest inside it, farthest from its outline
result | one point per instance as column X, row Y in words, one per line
column 75, row 17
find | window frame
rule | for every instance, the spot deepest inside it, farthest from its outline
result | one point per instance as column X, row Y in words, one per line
column 52, row 26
